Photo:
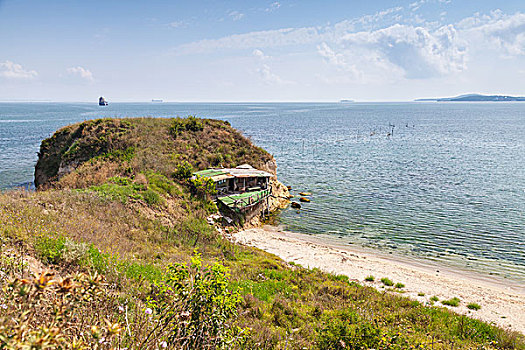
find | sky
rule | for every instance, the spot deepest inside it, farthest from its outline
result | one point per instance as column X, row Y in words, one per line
column 256, row 51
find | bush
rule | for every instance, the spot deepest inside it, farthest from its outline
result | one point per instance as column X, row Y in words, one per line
column 50, row 249
column 474, row 306
column 186, row 124
column 125, row 155
column 370, row 278
column 138, row 272
column 151, row 197
column 387, row 282
column 451, row 302
column 184, row 171
column 194, row 306
column 204, row 186
column 98, row 260
column 399, row 285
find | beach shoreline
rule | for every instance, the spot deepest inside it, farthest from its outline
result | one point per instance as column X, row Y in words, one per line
column 502, row 302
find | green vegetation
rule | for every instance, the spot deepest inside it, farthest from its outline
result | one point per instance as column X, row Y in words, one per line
column 420, row 294
column 204, row 186
column 190, row 307
column 182, row 125
column 451, row 302
column 50, row 249
column 399, row 285
column 434, row 299
column 387, row 282
column 123, row 190
column 101, row 149
column 277, row 301
column 370, row 278
column 123, row 236
column 474, row 306
column 184, row 171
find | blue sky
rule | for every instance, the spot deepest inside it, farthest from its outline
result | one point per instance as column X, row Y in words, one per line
column 259, row 50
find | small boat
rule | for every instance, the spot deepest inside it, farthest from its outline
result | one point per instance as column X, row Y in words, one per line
column 102, row 101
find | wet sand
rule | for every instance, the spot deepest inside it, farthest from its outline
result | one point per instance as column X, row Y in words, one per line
column 502, row 302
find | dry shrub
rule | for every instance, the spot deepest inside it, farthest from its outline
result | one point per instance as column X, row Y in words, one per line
column 91, row 173
column 141, row 179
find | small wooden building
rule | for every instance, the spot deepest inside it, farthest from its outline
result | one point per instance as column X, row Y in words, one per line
column 243, row 178
column 242, row 189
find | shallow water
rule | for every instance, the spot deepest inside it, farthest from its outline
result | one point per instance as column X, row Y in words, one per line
column 448, row 185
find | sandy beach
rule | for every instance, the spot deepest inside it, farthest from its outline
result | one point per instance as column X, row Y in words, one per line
column 502, row 302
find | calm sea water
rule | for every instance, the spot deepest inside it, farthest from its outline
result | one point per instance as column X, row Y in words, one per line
column 448, row 185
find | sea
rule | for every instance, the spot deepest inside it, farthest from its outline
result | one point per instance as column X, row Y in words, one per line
column 441, row 182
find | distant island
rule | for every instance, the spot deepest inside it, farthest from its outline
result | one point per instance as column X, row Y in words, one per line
column 473, row 98
column 346, row 101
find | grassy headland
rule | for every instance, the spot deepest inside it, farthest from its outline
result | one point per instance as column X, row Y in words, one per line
column 137, row 265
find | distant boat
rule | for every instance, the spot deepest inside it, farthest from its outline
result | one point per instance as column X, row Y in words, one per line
column 156, row 101
column 347, row 101
column 102, row 101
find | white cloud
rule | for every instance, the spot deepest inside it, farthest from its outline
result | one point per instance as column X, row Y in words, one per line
column 259, row 54
column 270, row 78
column 269, row 38
column 265, row 72
column 497, row 31
column 178, row 24
column 80, row 72
column 340, row 61
column 236, row 15
column 378, row 16
column 11, row 70
column 386, row 44
column 274, row 6
column 419, row 52
column 416, row 5
column 333, row 58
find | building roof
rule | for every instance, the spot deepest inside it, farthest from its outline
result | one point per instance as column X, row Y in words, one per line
column 244, row 170
column 210, row 172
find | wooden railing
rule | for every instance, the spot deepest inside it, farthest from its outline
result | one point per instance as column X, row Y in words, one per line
column 246, row 202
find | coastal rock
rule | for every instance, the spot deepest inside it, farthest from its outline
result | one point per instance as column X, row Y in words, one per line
column 271, row 166
column 304, row 199
column 296, row 205
column 305, row 193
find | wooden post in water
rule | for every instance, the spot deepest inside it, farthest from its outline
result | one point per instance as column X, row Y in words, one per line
column 392, row 126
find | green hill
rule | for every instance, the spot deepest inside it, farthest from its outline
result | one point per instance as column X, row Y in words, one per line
column 134, row 261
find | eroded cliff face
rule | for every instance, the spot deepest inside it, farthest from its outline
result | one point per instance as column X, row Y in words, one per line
column 73, row 145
